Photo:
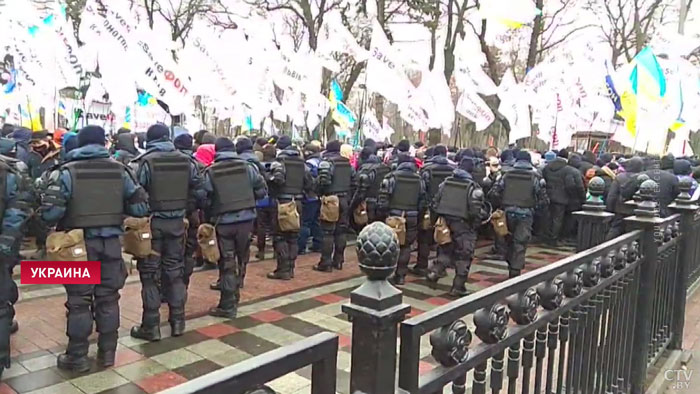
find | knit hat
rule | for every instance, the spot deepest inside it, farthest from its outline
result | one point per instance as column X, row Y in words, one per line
column 208, row 138
column 21, row 134
column 667, row 162
column 333, row 146
column 403, row 146
column 440, row 150
column 549, row 156
column 243, row 144
column 467, row 164
column 284, row 142
column 183, row 141
column 123, row 130
column 224, row 144
column 70, row 141
column 563, row 153
column 524, row 156
column 91, row 135
column 157, row 132
column 506, row 155
column 366, row 152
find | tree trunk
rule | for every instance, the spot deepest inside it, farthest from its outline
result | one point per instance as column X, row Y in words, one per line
column 535, row 38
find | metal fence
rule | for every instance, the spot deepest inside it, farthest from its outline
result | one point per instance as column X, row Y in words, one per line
column 320, row 351
column 571, row 331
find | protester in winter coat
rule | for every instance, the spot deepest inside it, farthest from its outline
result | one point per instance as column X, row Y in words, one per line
column 205, row 154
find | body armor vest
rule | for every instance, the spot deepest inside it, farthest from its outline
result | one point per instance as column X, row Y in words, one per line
column 170, row 178
column 455, row 199
column 406, row 192
column 97, row 198
column 342, row 176
column 519, row 189
column 294, row 170
column 437, row 176
column 232, row 189
column 380, row 171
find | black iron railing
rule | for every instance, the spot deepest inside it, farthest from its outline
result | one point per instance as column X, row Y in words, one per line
column 571, row 329
column 320, row 351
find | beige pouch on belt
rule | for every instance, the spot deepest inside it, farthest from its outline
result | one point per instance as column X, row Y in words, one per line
column 206, row 238
column 66, row 246
column 137, row 236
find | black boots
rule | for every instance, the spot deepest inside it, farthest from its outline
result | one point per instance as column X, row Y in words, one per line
column 225, row 313
column 177, row 328
column 105, row 358
column 418, row 271
column 280, row 275
column 512, row 273
column 151, row 334
column 73, row 363
column 216, row 285
column 14, row 327
column 458, row 289
column 397, row 280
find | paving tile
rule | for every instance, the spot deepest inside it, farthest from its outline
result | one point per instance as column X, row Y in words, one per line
column 100, row 381
column 140, row 369
column 197, row 369
column 128, row 388
column 131, row 341
column 176, row 358
column 27, row 356
column 288, row 383
column 209, row 348
column 218, row 330
column 61, row 388
column 299, row 306
column 160, row 382
column 268, row 316
column 244, row 322
column 298, row 326
column 126, row 356
column 248, row 343
column 16, row 369
column 330, row 298
column 151, row 349
column 275, row 334
column 34, row 380
column 39, row 363
column 229, row 357
column 5, row 389
column 437, row 301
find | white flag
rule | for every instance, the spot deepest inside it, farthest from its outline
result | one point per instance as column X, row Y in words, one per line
column 472, row 107
column 334, row 36
column 371, row 128
column 385, row 73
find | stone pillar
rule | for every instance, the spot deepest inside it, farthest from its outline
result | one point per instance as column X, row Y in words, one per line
column 686, row 254
column 593, row 220
column 375, row 310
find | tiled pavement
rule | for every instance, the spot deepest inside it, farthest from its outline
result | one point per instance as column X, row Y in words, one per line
column 273, row 314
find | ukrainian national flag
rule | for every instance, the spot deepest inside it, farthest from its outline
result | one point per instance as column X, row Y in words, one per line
column 647, row 82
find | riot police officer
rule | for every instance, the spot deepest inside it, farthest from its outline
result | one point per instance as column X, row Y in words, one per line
column 369, row 179
column 520, row 191
column 93, row 192
column 436, row 169
column 403, row 195
column 289, row 178
column 171, row 180
column 15, row 208
column 459, row 201
column 336, row 177
column 232, row 185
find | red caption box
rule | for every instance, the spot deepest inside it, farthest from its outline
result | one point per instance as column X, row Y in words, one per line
column 60, row 272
